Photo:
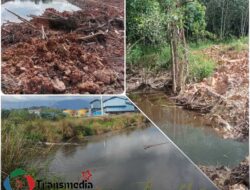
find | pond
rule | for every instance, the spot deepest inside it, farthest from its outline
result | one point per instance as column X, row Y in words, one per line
column 122, row 161
column 24, row 8
column 188, row 131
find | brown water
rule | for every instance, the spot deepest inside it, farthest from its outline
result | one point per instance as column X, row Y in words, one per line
column 188, row 131
column 121, row 162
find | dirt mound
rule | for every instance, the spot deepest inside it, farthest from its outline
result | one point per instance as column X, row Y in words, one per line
column 69, row 52
column 142, row 79
column 224, row 95
column 229, row 179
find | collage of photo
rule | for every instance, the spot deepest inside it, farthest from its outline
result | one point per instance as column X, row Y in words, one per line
column 125, row 94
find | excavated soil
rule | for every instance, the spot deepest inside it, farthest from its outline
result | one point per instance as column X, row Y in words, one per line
column 69, row 52
column 229, row 179
column 142, row 79
column 223, row 97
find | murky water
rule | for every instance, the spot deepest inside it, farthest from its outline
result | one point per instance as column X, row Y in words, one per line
column 188, row 131
column 121, row 162
column 24, row 8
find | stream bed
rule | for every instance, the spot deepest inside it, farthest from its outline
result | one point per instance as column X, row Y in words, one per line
column 122, row 161
column 24, row 8
column 189, row 132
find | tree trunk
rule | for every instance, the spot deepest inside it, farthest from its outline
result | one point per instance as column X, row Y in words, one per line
column 222, row 19
column 179, row 59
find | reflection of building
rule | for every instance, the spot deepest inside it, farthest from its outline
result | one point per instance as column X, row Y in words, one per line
column 113, row 105
column 76, row 113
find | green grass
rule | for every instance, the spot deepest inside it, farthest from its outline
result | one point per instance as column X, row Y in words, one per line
column 67, row 128
column 20, row 140
column 237, row 44
column 150, row 57
column 200, row 67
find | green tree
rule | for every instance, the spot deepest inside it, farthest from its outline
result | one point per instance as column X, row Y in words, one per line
column 145, row 21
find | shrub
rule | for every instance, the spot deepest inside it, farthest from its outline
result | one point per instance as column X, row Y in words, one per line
column 200, row 67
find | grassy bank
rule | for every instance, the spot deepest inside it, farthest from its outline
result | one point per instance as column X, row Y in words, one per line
column 20, row 139
column 200, row 66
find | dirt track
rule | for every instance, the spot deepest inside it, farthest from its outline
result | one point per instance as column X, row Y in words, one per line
column 79, row 52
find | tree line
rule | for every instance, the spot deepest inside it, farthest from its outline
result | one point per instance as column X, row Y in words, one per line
column 148, row 20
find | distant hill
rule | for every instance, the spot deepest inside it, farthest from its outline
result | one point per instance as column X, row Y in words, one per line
column 25, row 104
column 71, row 104
column 60, row 104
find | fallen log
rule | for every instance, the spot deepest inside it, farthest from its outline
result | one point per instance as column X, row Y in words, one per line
column 98, row 34
column 58, row 144
column 214, row 94
column 153, row 145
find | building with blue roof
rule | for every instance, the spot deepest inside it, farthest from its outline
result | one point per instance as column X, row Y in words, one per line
column 113, row 105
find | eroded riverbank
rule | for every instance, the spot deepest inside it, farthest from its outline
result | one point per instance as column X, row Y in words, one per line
column 191, row 132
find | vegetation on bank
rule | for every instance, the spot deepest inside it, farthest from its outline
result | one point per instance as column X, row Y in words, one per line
column 22, row 132
column 170, row 35
column 200, row 66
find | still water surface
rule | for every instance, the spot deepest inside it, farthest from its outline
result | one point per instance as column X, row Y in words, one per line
column 25, row 8
column 188, row 131
column 121, row 162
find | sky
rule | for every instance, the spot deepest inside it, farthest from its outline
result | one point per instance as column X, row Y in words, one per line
column 63, row 102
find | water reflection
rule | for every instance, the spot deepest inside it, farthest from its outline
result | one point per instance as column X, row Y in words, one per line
column 188, row 132
column 25, row 8
column 121, row 162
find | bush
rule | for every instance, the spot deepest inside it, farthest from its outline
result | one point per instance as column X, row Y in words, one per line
column 150, row 57
column 200, row 67
column 146, row 21
column 134, row 55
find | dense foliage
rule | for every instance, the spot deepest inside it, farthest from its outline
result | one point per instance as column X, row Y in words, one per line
column 145, row 21
column 148, row 20
column 149, row 25
column 227, row 18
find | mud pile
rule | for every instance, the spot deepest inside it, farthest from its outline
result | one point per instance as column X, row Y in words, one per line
column 69, row 52
column 145, row 80
column 224, row 95
column 229, row 179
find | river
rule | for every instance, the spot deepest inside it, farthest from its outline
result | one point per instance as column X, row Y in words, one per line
column 122, row 161
column 189, row 132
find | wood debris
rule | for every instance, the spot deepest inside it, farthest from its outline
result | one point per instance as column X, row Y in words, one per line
column 68, row 52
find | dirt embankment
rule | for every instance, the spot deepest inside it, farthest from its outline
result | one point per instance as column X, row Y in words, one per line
column 229, row 179
column 223, row 97
column 142, row 79
column 69, row 52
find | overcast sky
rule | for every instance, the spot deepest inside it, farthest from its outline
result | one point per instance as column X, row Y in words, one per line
column 72, row 102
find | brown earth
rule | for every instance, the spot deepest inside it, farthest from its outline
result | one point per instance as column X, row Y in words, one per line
column 229, row 179
column 223, row 97
column 142, row 79
column 69, row 52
